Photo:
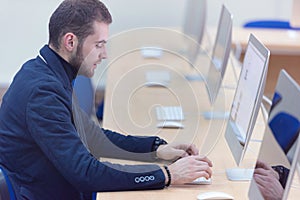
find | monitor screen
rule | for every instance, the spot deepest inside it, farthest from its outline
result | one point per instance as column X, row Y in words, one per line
column 247, row 98
column 195, row 19
column 280, row 145
column 220, row 54
column 194, row 27
column 298, row 166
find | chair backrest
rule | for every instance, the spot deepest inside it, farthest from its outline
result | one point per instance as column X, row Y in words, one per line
column 85, row 93
column 6, row 190
column 275, row 24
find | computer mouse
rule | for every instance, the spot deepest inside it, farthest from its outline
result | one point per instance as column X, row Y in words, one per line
column 214, row 195
column 170, row 124
column 202, row 181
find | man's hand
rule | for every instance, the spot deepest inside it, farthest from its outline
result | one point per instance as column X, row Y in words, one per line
column 174, row 151
column 267, row 181
column 189, row 168
column 262, row 165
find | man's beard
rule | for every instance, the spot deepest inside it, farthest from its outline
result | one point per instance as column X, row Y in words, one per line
column 76, row 60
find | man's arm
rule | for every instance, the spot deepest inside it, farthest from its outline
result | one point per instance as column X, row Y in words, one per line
column 50, row 125
column 106, row 143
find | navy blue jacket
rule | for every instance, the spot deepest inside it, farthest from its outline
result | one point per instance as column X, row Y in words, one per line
column 41, row 148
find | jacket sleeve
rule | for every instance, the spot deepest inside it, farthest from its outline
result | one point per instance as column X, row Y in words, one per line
column 49, row 121
column 106, row 143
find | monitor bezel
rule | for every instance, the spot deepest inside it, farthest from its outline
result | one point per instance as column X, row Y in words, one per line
column 254, row 192
column 213, row 86
column 196, row 12
column 236, row 147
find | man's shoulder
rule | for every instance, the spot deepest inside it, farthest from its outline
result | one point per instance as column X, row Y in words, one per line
column 34, row 73
column 33, row 77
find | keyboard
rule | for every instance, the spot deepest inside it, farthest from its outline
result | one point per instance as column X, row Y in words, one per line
column 169, row 113
column 151, row 52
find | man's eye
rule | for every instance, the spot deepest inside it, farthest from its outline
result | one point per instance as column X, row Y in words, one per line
column 100, row 45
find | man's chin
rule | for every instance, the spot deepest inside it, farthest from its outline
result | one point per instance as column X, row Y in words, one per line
column 88, row 74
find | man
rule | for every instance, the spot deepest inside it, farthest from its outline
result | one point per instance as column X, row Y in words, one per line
column 50, row 149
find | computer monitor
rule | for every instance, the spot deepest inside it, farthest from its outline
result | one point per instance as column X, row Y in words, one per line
column 220, row 54
column 292, row 181
column 298, row 166
column 281, row 145
column 195, row 19
column 246, row 103
column 218, row 59
column 194, row 27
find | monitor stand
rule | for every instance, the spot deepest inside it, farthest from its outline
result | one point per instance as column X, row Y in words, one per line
column 215, row 115
column 239, row 174
column 194, row 77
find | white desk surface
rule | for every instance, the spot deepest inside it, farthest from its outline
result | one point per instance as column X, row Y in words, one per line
column 129, row 109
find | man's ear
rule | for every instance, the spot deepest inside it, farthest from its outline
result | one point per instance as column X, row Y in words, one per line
column 70, row 41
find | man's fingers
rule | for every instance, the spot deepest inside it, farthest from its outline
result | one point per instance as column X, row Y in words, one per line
column 261, row 171
column 180, row 153
column 203, row 166
column 203, row 174
column 259, row 179
column 261, row 164
column 204, row 159
column 193, row 150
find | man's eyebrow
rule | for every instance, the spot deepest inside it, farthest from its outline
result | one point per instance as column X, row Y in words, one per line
column 102, row 41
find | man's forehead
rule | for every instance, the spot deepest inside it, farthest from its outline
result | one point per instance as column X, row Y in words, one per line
column 101, row 31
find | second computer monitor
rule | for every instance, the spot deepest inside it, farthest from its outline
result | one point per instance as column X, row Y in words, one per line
column 220, row 54
column 248, row 97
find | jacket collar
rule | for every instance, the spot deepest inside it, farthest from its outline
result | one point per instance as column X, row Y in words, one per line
column 65, row 72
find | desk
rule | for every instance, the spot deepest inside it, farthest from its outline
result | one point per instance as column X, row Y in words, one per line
column 285, row 51
column 129, row 109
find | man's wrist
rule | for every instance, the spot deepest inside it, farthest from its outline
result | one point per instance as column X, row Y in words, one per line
column 157, row 142
column 283, row 173
column 167, row 174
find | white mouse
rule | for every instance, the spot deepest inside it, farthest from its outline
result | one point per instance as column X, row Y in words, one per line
column 214, row 195
column 202, row 181
column 169, row 124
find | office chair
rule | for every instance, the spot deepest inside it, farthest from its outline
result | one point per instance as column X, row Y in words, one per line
column 273, row 24
column 100, row 110
column 285, row 129
column 85, row 93
column 6, row 190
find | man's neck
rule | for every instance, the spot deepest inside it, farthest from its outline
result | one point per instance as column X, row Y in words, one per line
column 60, row 52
